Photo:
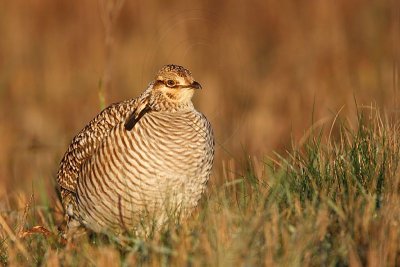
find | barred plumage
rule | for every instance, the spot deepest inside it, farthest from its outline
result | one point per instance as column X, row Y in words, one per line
column 146, row 156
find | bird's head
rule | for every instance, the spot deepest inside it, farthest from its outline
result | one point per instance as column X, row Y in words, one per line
column 174, row 87
column 171, row 91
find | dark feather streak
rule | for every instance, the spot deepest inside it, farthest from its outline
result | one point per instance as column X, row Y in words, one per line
column 133, row 118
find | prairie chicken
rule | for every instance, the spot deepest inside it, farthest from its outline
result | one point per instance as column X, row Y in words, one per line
column 145, row 156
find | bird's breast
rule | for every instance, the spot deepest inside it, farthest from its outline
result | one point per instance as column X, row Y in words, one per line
column 165, row 155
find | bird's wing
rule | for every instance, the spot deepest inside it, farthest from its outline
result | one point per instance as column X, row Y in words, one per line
column 85, row 143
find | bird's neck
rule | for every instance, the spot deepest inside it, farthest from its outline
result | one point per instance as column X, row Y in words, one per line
column 169, row 106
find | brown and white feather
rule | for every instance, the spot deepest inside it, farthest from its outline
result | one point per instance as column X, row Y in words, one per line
column 143, row 155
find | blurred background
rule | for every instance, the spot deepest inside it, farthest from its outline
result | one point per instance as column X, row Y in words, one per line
column 270, row 69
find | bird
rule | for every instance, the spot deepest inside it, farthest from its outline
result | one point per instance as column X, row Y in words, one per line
column 148, row 157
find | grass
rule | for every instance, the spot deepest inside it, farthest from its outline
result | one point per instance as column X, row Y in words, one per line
column 330, row 202
column 332, row 199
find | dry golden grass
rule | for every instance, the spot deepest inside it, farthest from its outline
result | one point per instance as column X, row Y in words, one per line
column 272, row 71
column 328, row 202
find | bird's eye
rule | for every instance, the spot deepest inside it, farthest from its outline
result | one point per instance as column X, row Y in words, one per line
column 171, row 83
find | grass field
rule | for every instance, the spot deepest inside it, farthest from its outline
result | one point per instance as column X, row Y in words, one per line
column 326, row 202
column 303, row 98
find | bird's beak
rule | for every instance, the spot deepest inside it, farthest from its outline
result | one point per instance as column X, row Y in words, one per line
column 195, row 85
